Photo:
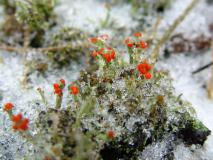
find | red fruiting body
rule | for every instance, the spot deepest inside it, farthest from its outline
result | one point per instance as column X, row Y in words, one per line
column 107, row 57
column 8, row 107
column 148, row 76
column 62, row 81
column 100, row 51
column 128, row 43
column 144, row 69
column 58, row 88
column 110, row 134
column 94, row 54
column 109, row 48
column 137, row 43
column 137, row 34
column 58, row 91
column 15, row 127
column 143, row 45
column 20, row 124
column 113, row 54
column 74, row 90
column 24, row 124
column 17, row 118
column 93, row 40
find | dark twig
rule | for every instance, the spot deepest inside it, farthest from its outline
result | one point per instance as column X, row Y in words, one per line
column 202, row 68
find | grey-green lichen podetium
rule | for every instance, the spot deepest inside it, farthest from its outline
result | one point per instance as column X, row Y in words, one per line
column 139, row 117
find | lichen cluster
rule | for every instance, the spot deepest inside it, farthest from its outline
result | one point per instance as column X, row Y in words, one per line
column 115, row 113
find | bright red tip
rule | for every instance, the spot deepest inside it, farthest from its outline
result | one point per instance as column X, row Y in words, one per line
column 17, row 118
column 110, row 134
column 74, row 90
column 93, row 40
column 137, row 34
column 62, row 81
column 7, row 107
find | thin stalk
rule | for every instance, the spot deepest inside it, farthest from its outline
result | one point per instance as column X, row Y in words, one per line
column 131, row 58
column 41, row 93
column 26, row 37
column 58, row 102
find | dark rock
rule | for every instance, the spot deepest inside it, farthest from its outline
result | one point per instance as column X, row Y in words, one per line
column 194, row 132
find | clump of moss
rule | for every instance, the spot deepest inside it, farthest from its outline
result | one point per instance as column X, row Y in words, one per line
column 140, row 109
column 73, row 41
column 144, row 120
column 150, row 6
column 28, row 18
column 29, row 21
column 36, row 14
column 9, row 6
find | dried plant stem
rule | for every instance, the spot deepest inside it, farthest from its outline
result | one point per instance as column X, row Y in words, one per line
column 210, row 84
column 44, row 49
column 155, row 28
column 10, row 48
column 167, row 34
column 52, row 48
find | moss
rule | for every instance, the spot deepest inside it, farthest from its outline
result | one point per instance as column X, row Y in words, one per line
column 74, row 44
column 189, row 129
column 147, row 7
column 198, row 125
column 36, row 14
column 193, row 131
column 9, row 6
column 30, row 19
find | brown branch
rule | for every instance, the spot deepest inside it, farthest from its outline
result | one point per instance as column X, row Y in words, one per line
column 168, row 33
column 52, row 48
column 44, row 49
column 10, row 48
column 155, row 27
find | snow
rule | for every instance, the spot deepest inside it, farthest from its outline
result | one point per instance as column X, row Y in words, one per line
column 191, row 86
column 78, row 14
column 91, row 13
